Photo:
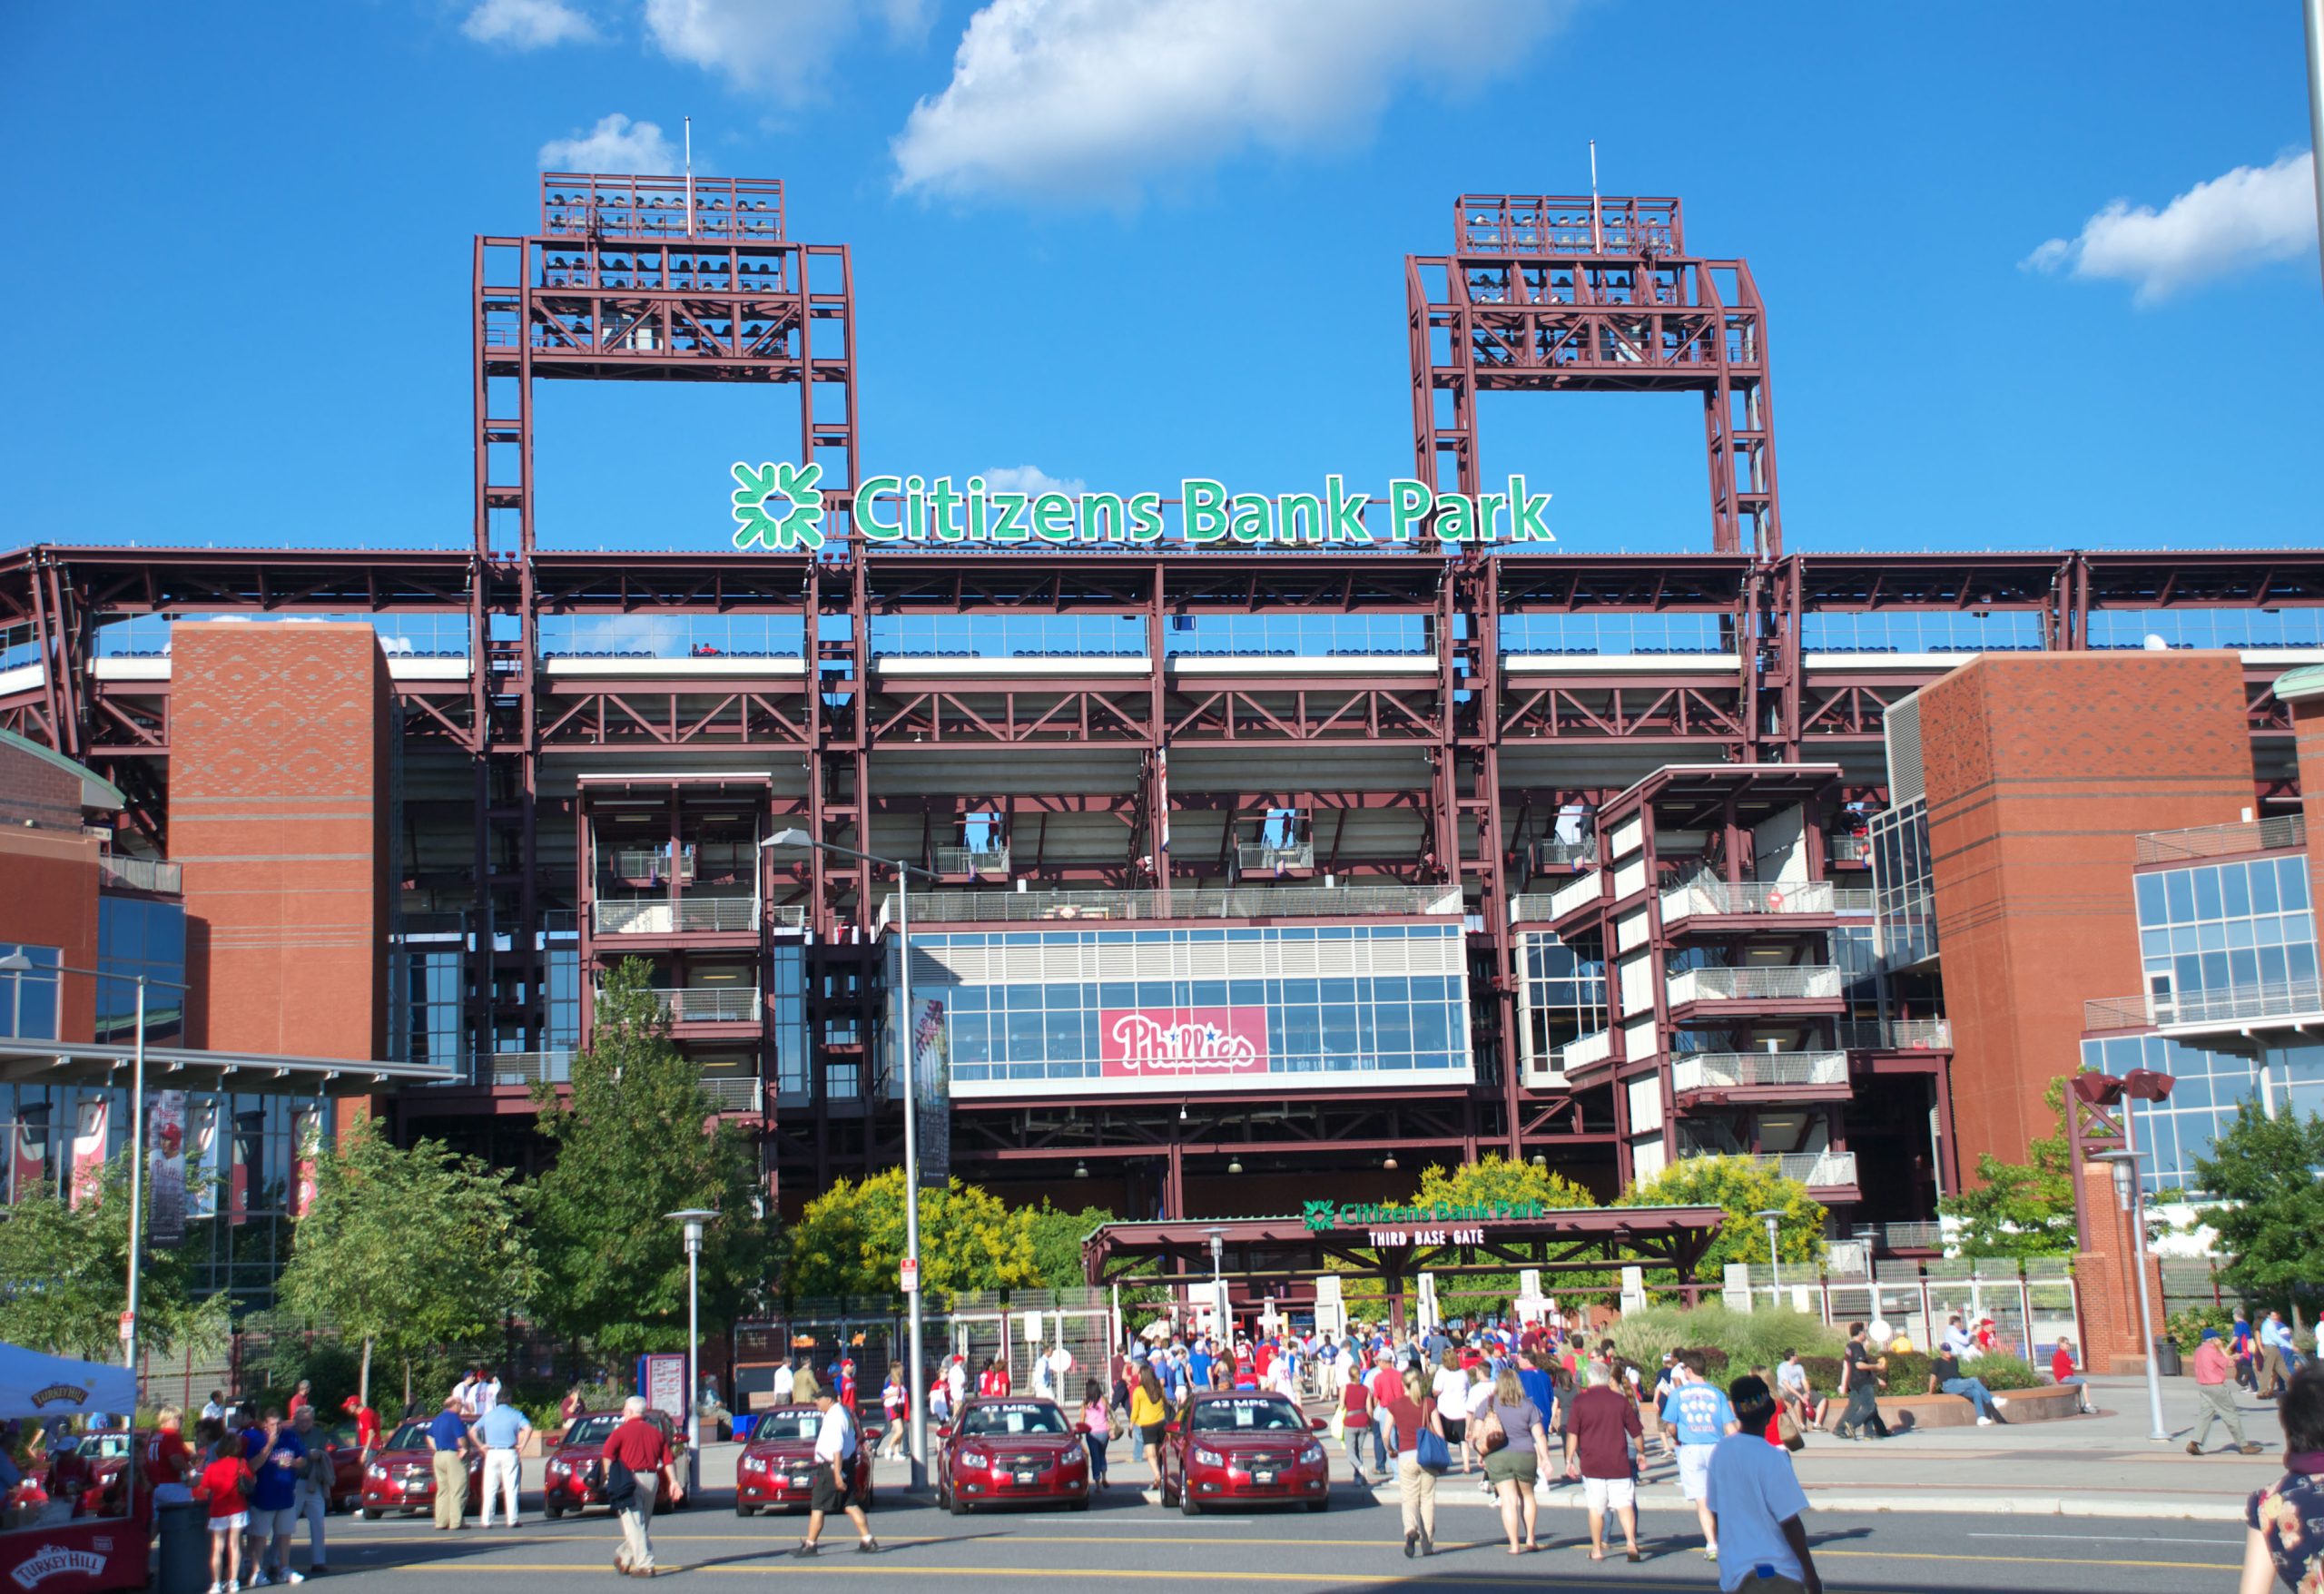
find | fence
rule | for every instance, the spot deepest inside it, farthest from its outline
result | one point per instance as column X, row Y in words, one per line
column 2031, row 1304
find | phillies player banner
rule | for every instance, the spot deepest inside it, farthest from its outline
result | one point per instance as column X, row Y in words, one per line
column 89, row 1150
column 1182, row 1043
column 165, row 1179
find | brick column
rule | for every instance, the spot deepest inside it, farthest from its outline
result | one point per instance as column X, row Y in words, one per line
column 2103, row 1292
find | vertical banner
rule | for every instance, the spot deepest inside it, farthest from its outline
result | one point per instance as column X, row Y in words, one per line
column 662, row 1380
column 165, row 1173
column 242, row 1154
column 203, row 1171
column 27, row 1161
column 306, row 1140
column 931, row 1071
column 90, row 1124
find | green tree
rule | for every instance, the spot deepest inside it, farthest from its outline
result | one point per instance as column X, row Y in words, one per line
column 1494, row 1177
column 1056, row 1234
column 637, row 1138
column 64, row 1277
column 1744, row 1189
column 2021, row 1208
column 850, row 1241
column 406, row 1251
column 2269, row 1204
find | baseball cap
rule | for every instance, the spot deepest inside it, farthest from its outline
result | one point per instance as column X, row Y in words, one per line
column 2210, row 1333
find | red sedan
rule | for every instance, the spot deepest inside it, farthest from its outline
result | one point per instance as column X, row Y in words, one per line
column 573, row 1482
column 776, row 1471
column 1246, row 1449
column 402, row 1476
column 1000, row 1450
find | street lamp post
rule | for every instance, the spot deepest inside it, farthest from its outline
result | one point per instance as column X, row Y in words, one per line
column 1772, row 1217
column 918, row 1382
column 2125, row 1164
column 17, row 963
column 694, row 1219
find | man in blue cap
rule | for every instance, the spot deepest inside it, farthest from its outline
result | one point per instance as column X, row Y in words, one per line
column 2215, row 1389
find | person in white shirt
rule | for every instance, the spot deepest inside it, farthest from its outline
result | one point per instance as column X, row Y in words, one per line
column 1957, row 1342
column 1755, row 1503
column 956, row 1377
column 463, row 1393
column 834, row 1473
column 487, row 1393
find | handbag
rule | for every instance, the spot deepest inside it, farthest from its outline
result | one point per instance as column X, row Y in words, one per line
column 1339, row 1422
column 1433, row 1455
column 1787, row 1431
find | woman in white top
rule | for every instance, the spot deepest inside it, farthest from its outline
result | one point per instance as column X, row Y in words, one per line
column 1477, row 1400
column 1449, row 1387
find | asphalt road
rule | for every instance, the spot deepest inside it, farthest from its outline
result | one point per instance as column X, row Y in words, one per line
column 1356, row 1545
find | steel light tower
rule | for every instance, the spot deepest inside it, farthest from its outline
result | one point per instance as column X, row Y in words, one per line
column 695, row 1218
column 2125, row 1164
column 1772, row 1218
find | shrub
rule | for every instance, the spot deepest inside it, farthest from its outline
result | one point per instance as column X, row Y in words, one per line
column 2186, row 1325
column 1745, row 1339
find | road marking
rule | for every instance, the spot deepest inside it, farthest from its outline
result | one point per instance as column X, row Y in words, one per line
column 2054, row 1560
column 2084, row 1538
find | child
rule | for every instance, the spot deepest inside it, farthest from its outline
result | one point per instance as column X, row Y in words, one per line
column 225, row 1484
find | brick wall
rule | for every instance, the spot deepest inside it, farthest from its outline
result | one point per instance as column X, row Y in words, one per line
column 2040, row 770
column 35, row 793
column 50, row 899
column 278, row 809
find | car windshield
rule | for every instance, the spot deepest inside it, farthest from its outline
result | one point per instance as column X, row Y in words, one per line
column 1251, row 1416
column 778, row 1426
column 1025, row 1417
column 591, row 1430
column 409, row 1436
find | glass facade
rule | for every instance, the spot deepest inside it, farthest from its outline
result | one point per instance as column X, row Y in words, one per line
column 1904, row 898
column 28, row 1000
column 1177, row 1008
column 138, row 936
column 2217, row 931
column 2209, row 1086
column 1563, row 992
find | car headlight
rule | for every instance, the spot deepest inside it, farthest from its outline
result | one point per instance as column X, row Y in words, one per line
column 1074, row 1454
column 1312, row 1454
column 559, row 1469
column 754, row 1463
column 1208, row 1458
column 375, row 1470
column 975, row 1459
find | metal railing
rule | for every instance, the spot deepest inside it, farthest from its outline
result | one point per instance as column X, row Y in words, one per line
column 731, row 1093
column 1583, row 888
column 1814, row 1169
column 1912, row 1237
column 1897, row 1034
column 1849, row 849
column 1745, row 1070
column 973, row 861
column 715, row 1004
column 1708, row 896
column 1586, row 1051
column 649, row 862
column 1800, row 982
column 1556, row 854
column 686, row 916
column 2235, row 1004
column 2221, row 841
column 144, row 874
column 525, row 1068
column 1265, row 856
column 1235, row 902
column 1851, row 900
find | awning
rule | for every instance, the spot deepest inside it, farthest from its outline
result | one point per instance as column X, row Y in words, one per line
column 38, row 1386
column 171, row 1068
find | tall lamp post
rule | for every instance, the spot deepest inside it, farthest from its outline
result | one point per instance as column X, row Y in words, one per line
column 694, row 1219
column 18, row 964
column 2125, row 1164
column 918, row 1384
column 1773, row 1217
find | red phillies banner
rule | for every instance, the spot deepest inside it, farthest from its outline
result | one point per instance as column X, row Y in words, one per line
column 1146, row 1043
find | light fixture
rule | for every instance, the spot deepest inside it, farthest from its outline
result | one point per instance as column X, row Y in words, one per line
column 1389, row 1162
column 1080, row 1170
column 1541, row 1159
column 1235, row 1165
column 1182, row 1112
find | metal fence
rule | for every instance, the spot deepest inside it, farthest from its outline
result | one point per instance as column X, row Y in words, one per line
column 2031, row 1304
column 1242, row 902
column 1735, row 1070
column 2220, row 841
column 1800, row 982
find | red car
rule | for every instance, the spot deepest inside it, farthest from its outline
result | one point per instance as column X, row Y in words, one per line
column 402, row 1475
column 566, row 1481
column 1000, row 1450
column 1240, row 1447
column 776, row 1471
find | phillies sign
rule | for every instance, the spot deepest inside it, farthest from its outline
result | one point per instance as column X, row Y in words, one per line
column 1178, row 1043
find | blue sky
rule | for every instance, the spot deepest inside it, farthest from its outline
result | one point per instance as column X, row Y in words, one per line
column 1130, row 241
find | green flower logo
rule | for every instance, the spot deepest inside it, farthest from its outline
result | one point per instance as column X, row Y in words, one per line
column 1321, row 1215
column 778, row 507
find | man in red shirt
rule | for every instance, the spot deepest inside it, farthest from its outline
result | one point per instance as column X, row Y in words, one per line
column 1601, row 1426
column 644, row 1450
column 367, row 1425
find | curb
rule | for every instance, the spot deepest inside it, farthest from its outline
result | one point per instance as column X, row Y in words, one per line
column 2185, row 1508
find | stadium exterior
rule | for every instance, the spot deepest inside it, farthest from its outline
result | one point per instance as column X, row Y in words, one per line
column 1259, row 870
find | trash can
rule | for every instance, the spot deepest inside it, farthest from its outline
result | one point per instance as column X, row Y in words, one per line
column 2166, row 1358
column 181, row 1566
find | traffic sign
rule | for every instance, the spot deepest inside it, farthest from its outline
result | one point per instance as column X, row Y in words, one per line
column 128, row 1326
column 910, row 1275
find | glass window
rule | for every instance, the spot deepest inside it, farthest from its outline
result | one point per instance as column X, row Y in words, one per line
column 2180, row 892
column 2151, row 903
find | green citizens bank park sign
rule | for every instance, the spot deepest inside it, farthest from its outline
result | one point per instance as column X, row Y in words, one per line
column 780, row 509
column 1359, row 1214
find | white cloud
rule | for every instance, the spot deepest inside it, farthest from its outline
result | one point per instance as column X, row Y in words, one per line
column 528, row 24
column 615, row 145
column 1089, row 99
column 2251, row 215
column 781, row 47
column 1030, row 478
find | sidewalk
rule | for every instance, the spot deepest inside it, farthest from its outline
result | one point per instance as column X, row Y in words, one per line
column 2101, row 1466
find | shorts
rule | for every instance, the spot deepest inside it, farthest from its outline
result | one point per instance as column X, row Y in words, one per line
column 1511, row 1465
column 1455, row 1430
column 1694, row 1471
column 280, row 1520
column 830, row 1494
column 1605, row 1494
column 233, row 1524
column 1152, row 1432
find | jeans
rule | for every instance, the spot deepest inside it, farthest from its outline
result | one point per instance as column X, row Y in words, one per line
column 1097, row 1443
column 309, row 1503
column 636, row 1552
column 1137, row 1443
column 1352, row 1434
column 1864, row 1409
column 1975, row 1390
column 2219, row 1406
column 503, row 1474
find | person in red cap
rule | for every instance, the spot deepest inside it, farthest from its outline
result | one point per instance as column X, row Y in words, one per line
column 367, row 1425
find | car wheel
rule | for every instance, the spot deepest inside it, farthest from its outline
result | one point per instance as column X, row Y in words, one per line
column 956, row 1505
column 1082, row 1504
column 552, row 1511
column 362, row 1515
column 745, row 1510
column 1188, row 1504
column 1319, row 1505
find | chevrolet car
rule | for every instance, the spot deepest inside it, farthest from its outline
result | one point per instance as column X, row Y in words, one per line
column 1003, row 1450
column 776, row 1470
column 572, row 1480
column 401, row 1476
column 1243, row 1448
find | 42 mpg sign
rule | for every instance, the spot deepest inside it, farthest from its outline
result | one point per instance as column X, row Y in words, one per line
column 779, row 509
column 1443, row 1222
